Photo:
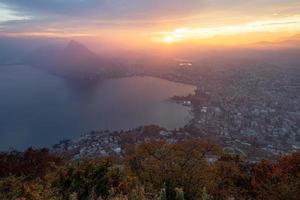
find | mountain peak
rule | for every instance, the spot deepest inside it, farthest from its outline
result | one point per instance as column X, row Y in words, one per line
column 74, row 45
column 76, row 50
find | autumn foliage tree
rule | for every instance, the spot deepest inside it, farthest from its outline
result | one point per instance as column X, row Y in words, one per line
column 277, row 180
column 188, row 169
column 35, row 163
column 229, row 178
column 86, row 178
column 160, row 165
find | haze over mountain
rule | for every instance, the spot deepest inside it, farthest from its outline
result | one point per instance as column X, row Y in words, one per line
column 73, row 61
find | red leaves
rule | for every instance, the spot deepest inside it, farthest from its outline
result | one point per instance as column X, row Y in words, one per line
column 35, row 163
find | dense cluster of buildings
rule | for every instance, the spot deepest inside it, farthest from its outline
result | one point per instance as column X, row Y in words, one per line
column 105, row 143
column 253, row 108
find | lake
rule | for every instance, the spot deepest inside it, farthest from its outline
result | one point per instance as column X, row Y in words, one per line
column 38, row 109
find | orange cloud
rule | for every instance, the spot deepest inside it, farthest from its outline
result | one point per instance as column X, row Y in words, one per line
column 244, row 33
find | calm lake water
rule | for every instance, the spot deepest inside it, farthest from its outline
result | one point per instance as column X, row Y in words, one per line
column 38, row 109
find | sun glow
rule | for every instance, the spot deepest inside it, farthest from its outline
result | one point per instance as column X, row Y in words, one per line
column 169, row 40
column 287, row 24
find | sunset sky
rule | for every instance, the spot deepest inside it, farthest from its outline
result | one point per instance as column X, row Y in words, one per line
column 154, row 21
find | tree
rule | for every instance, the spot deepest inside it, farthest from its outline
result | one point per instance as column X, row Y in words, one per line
column 33, row 163
column 229, row 178
column 159, row 164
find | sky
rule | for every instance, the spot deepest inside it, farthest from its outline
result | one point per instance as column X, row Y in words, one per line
column 160, row 22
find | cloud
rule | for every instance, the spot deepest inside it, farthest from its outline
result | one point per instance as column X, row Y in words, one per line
column 9, row 15
column 82, row 15
column 130, row 9
column 181, row 34
column 103, row 8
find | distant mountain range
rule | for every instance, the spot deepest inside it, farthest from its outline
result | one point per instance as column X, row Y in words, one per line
column 75, row 61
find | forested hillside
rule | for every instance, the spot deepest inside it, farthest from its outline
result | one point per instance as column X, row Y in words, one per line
column 188, row 169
